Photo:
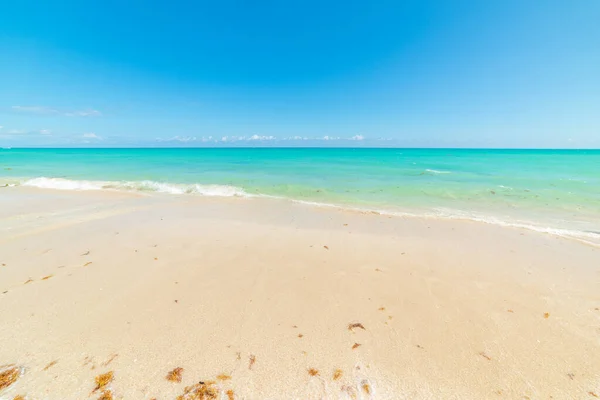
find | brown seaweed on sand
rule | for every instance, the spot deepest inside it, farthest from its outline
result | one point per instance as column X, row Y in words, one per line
column 223, row 377
column 355, row 345
column 110, row 359
column 200, row 391
column 8, row 375
column 354, row 325
column 19, row 397
column 50, row 365
column 337, row 374
column 175, row 375
column 103, row 380
column 47, row 277
column 28, row 281
column 366, row 387
column 313, row 372
column 251, row 361
column 326, row 248
column 482, row 354
column 106, row 395
column 546, row 315
column 230, row 395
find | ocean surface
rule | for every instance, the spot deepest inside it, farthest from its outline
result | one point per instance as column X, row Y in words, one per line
column 554, row 191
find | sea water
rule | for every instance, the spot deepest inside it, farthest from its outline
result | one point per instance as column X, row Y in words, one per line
column 554, row 191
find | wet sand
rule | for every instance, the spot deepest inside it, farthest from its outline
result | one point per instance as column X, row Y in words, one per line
column 275, row 300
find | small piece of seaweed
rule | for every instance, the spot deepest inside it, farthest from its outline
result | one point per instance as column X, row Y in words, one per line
column 9, row 375
column 354, row 325
column 337, row 374
column 175, row 375
column 103, row 380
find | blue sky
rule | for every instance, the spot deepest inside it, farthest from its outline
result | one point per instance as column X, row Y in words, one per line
column 424, row 73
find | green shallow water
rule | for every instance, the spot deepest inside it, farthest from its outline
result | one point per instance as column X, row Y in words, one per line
column 554, row 189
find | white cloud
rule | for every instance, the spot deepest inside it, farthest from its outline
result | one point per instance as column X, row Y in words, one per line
column 16, row 132
column 357, row 137
column 83, row 113
column 42, row 110
column 91, row 135
column 45, row 132
column 256, row 137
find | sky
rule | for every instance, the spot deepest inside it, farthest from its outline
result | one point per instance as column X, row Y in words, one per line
column 486, row 73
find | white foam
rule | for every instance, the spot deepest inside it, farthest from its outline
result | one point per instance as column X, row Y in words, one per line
column 590, row 238
column 149, row 186
column 435, row 171
column 62, row 184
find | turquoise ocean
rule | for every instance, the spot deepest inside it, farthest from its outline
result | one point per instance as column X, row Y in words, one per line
column 553, row 191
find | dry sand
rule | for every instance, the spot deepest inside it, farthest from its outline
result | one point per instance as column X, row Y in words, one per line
column 260, row 297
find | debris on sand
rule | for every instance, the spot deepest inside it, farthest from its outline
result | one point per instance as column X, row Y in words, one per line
column 223, row 377
column 337, row 374
column 47, row 277
column 482, row 354
column 110, row 359
column 200, row 391
column 251, row 361
column 313, row 372
column 103, row 380
column 546, row 315
column 326, row 248
column 106, row 395
column 8, row 375
column 50, row 365
column 355, row 325
column 87, row 263
column 381, row 308
column 175, row 375
column 230, row 395
column 366, row 387
column 28, row 281
column 355, row 345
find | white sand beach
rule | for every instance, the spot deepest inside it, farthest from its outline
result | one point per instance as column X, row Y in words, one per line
column 267, row 299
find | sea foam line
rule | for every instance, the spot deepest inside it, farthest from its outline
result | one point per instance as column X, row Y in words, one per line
column 143, row 186
column 233, row 191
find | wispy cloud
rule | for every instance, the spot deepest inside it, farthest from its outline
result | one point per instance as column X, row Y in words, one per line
column 83, row 113
column 45, row 132
column 43, row 110
column 91, row 135
column 255, row 138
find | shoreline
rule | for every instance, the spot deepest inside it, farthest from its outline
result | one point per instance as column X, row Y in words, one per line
column 451, row 309
column 591, row 238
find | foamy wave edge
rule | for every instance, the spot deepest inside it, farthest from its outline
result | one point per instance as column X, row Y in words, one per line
column 142, row 186
column 589, row 238
column 581, row 236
